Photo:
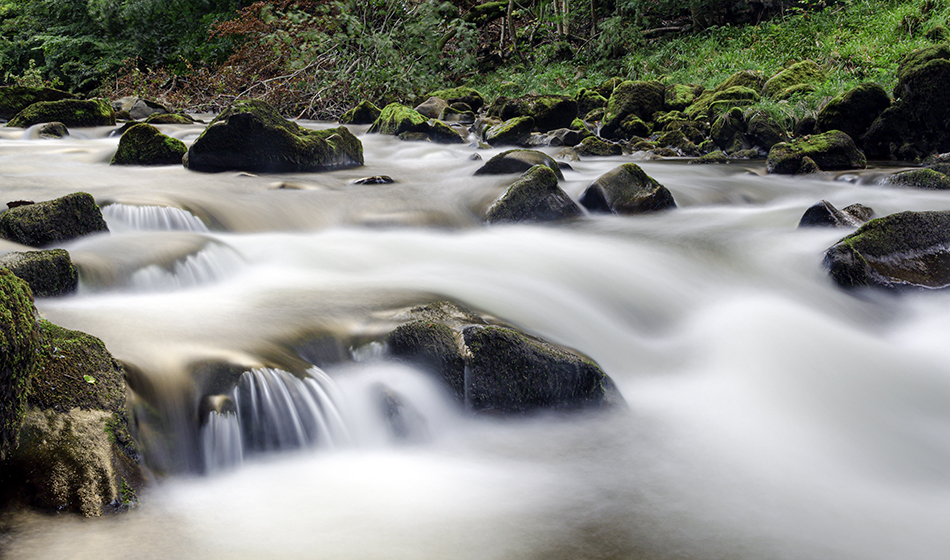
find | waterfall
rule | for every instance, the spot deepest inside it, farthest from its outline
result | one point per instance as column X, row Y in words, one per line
column 213, row 263
column 221, row 443
column 151, row 218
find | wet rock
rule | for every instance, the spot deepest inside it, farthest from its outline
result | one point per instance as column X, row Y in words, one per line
column 830, row 151
column 467, row 95
column 52, row 221
column 138, row 108
column 512, row 132
column 626, row 190
column 432, row 108
column 678, row 141
column 49, row 273
column 804, row 73
column 588, row 100
column 14, row 99
column 143, row 144
column 431, row 346
column 764, row 132
column 73, row 113
column 535, row 197
column 16, row 203
column 807, row 167
column 251, row 136
column 169, row 118
column 364, row 113
column 52, row 131
column 408, row 124
column 548, row 111
column 729, row 132
column 518, row 161
column 631, row 99
column 594, row 146
column 18, row 342
column 825, row 214
column 920, row 179
column 854, row 111
column 908, row 249
column 375, row 180
column 717, row 156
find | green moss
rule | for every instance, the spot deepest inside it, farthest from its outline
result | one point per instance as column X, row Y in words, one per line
column 921, row 179
column 364, row 113
column 143, row 144
column 71, row 112
column 49, row 273
column 398, row 120
column 548, row 111
column 711, row 104
column 467, row 95
column 680, row 96
column 18, row 341
column 912, row 60
column 588, row 100
column 717, row 156
column 14, row 99
column 513, row 131
column 594, row 146
column 169, row 118
column 832, row 150
column 640, row 99
column 806, row 72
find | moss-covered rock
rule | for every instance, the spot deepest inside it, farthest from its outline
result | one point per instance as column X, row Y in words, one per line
column 399, row 120
column 431, row 346
column 908, row 64
column 143, row 144
column 806, row 72
column 824, row 214
column 855, row 110
column 920, row 179
column 639, row 99
column 14, row 99
column 52, row 221
column 535, row 197
column 740, row 88
column 250, row 135
column 626, row 190
column 512, row 132
column 49, row 273
column 432, row 107
column 908, row 249
column 467, row 95
column 763, row 131
column 717, row 156
column 677, row 140
column 729, row 132
column 548, row 111
column 518, row 161
column 52, row 131
column 831, row 151
column 594, row 146
column 588, row 100
column 607, row 87
column 71, row 112
column 364, row 113
column 18, row 342
column 680, row 96
column 169, row 118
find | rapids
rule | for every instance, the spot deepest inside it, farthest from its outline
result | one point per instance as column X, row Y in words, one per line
column 771, row 414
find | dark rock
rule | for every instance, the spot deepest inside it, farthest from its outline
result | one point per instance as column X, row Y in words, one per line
column 908, row 249
column 535, row 197
column 18, row 342
column 467, row 95
column 807, row 166
column 717, row 156
column 626, row 190
column 594, row 146
column 806, row 73
column 251, row 136
column 52, row 221
column 49, row 273
column 729, row 132
column 548, row 111
column 14, row 99
column 678, row 141
column 920, row 179
column 138, row 108
column 512, row 132
column 806, row 126
column 52, row 131
column 764, row 132
column 16, row 203
column 588, row 100
column 143, row 144
column 169, row 118
column 375, row 180
column 825, row 214
column 431, row 346
column 908, row 64
column 639, row 99
column 854, row 111
column 408, row 124
column 73, row 113
column 432, row 108
column 518, row 161
column 364, row 113
column 830, row 151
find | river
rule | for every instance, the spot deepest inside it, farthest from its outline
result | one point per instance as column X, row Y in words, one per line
column 771, row 414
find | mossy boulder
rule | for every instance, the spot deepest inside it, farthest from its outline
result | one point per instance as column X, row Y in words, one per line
column 431, row 346
column 806, row 72
column 535, row 197
column 398, row 120
column 763, row 131
column 73, row 113
column 49, row 273
column 626, row 190
column 729, row 132
column 629, row 98
column 18, row 343
column 832, row 150
column 855, row 110
column 143, row 144
column 511, row 132
column 250, row 135
column 920, row 179
column 678, row 141
column 432, row 107
column 467, row 95
column 548, row 111
column 518, row 161
column 169, row 118
column 825, row 214
column 588, row 100
column 14, row 99
column 364, row 113
column 138, row 108
column 741, row 88
column 678, row 97
column 908, row 249
column 717, row 156
column 594, row 146
column 908, row 64
column 52, row 221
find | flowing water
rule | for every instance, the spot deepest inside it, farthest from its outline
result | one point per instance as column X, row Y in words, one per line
column 771, row 414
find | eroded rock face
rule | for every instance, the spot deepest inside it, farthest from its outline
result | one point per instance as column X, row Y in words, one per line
column 626, row 190
column 52, row 221
column 535, row 197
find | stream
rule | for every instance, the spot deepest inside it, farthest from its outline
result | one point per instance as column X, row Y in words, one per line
column 771, row 413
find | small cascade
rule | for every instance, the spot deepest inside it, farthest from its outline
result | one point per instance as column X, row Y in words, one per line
column 151, row 218
column 221, row 443
column 213, row 263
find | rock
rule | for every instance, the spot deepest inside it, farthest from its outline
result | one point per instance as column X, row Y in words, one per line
column 626, row 190
column 678, row 141
column 742, row 88
column 825, row 214
column 511, row 132
column 548, row 111
column 608, row 86
column 806, row 72
column 639, row 99
column 854, row 111
column 594, row 146
column 432, row 108
column 588, row 100
column 49, row 273
column 251, row 136
column 908, row 63
column 52, row 221
column 169, row 118
column 73, row 113
column 830, row 151
column 466, row 95
column 14, row 99
column 908, row 249
column 18, row 342
column 493, row 367
column 375, row 180
column 143, row 144
column 399, row 120
column 806, row 126
column 535, row 197
column 920, row 179
column 455, row 115
column 364, row 113
column 729, row 132
column 518, row 161
column 807, row 167
column 679, row 96
column 717, row 156
column 52, row 131
column 764, row 132
column 138, row 108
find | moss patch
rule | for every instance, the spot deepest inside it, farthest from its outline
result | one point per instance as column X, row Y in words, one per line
column 14, row 99
column 71, row 112
column 18, row 341
column 143, row 144
column 831, row 151
column 52, row 221
column 49, row 273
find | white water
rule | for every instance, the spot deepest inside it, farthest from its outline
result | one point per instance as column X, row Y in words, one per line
column 772, row 415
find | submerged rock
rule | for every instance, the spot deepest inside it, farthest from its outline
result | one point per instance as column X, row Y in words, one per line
column 14, row 99
column 626, row 190
column 535, row 197
column 143, row 144
column 830, row 151
column 49, row 273
column 52, row 221
column 251, row 136
column 908, row 249
column 72, row 113
column 518, row 161
column 825, row 214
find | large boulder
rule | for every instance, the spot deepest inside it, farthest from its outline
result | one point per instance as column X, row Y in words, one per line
column 512, row 132
column 49, row 273
column 250, row 135
column 588, row 100
column 408, row 124
column 14, row 99
column 729, row 132
column 143, row 144
column 908, row 249
column 626, row 190
column 920, row 179
column 854, row 111
column 71, row 112
column 535, row 197
column 832, row 150
column 825, row 214
column 52, row 221
column 548, row 111
column 493, row 367
column 18, row 342
column 629, row 98
column 806, row 72
column 518, row 161
column 365, row 112
column 764, row 131
column 466, row 95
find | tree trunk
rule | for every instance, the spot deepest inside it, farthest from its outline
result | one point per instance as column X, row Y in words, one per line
column 511, row 30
